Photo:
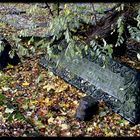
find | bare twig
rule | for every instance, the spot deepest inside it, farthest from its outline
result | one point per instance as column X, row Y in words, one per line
column 58, row 9
column 50, row 11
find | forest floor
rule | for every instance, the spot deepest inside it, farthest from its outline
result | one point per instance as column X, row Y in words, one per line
column 34, row 102
column 37, row 102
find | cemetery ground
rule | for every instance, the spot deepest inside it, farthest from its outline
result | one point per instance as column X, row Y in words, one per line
column 35, row 102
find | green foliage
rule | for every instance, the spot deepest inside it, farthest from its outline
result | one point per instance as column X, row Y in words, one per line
column 12, row 114
column 102, row 51
column 120, row 8
column 2, row 99
column 27, row 47
column 135, row 31
column 65, row 26
column 66, row 23
column 120, row 30
column 19, row 48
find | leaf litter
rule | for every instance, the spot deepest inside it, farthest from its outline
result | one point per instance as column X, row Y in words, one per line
column 50, row 104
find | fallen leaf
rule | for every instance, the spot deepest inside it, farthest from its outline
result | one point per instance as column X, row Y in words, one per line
column 46, row 100
column 109, row 134
column 34, row 102
column 89, row 129
column 5, row 88
column 50, row 73
column 75, row 102
column 64, row 126
column 61, row 88
column 49, row 87
column 39, row 78
column 28, row 113
column 51, row 120
column 39, row 124
column 8, row 110
column 25, row 84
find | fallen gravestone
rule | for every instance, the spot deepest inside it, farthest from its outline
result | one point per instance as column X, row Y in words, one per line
column 4, row 54
column 117, row 84
column 87, row 108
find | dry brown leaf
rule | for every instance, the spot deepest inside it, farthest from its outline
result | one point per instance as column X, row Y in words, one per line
column 49, row 87
column 61, row 88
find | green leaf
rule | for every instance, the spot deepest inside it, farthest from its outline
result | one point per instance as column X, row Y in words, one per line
column 22, row 51
column 19, row 116
column 2, row 99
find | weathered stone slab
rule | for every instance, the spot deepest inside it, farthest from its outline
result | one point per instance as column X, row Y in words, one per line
column 116, row 84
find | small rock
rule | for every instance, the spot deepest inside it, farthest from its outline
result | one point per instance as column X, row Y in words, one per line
column 4, row 54
column 87, row 108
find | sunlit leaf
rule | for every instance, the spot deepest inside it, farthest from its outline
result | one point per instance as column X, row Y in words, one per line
column 50, row 120
column 62, row 87
column 8, row 110
column 49, row 87
column 64, row 127
column 25, row 84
